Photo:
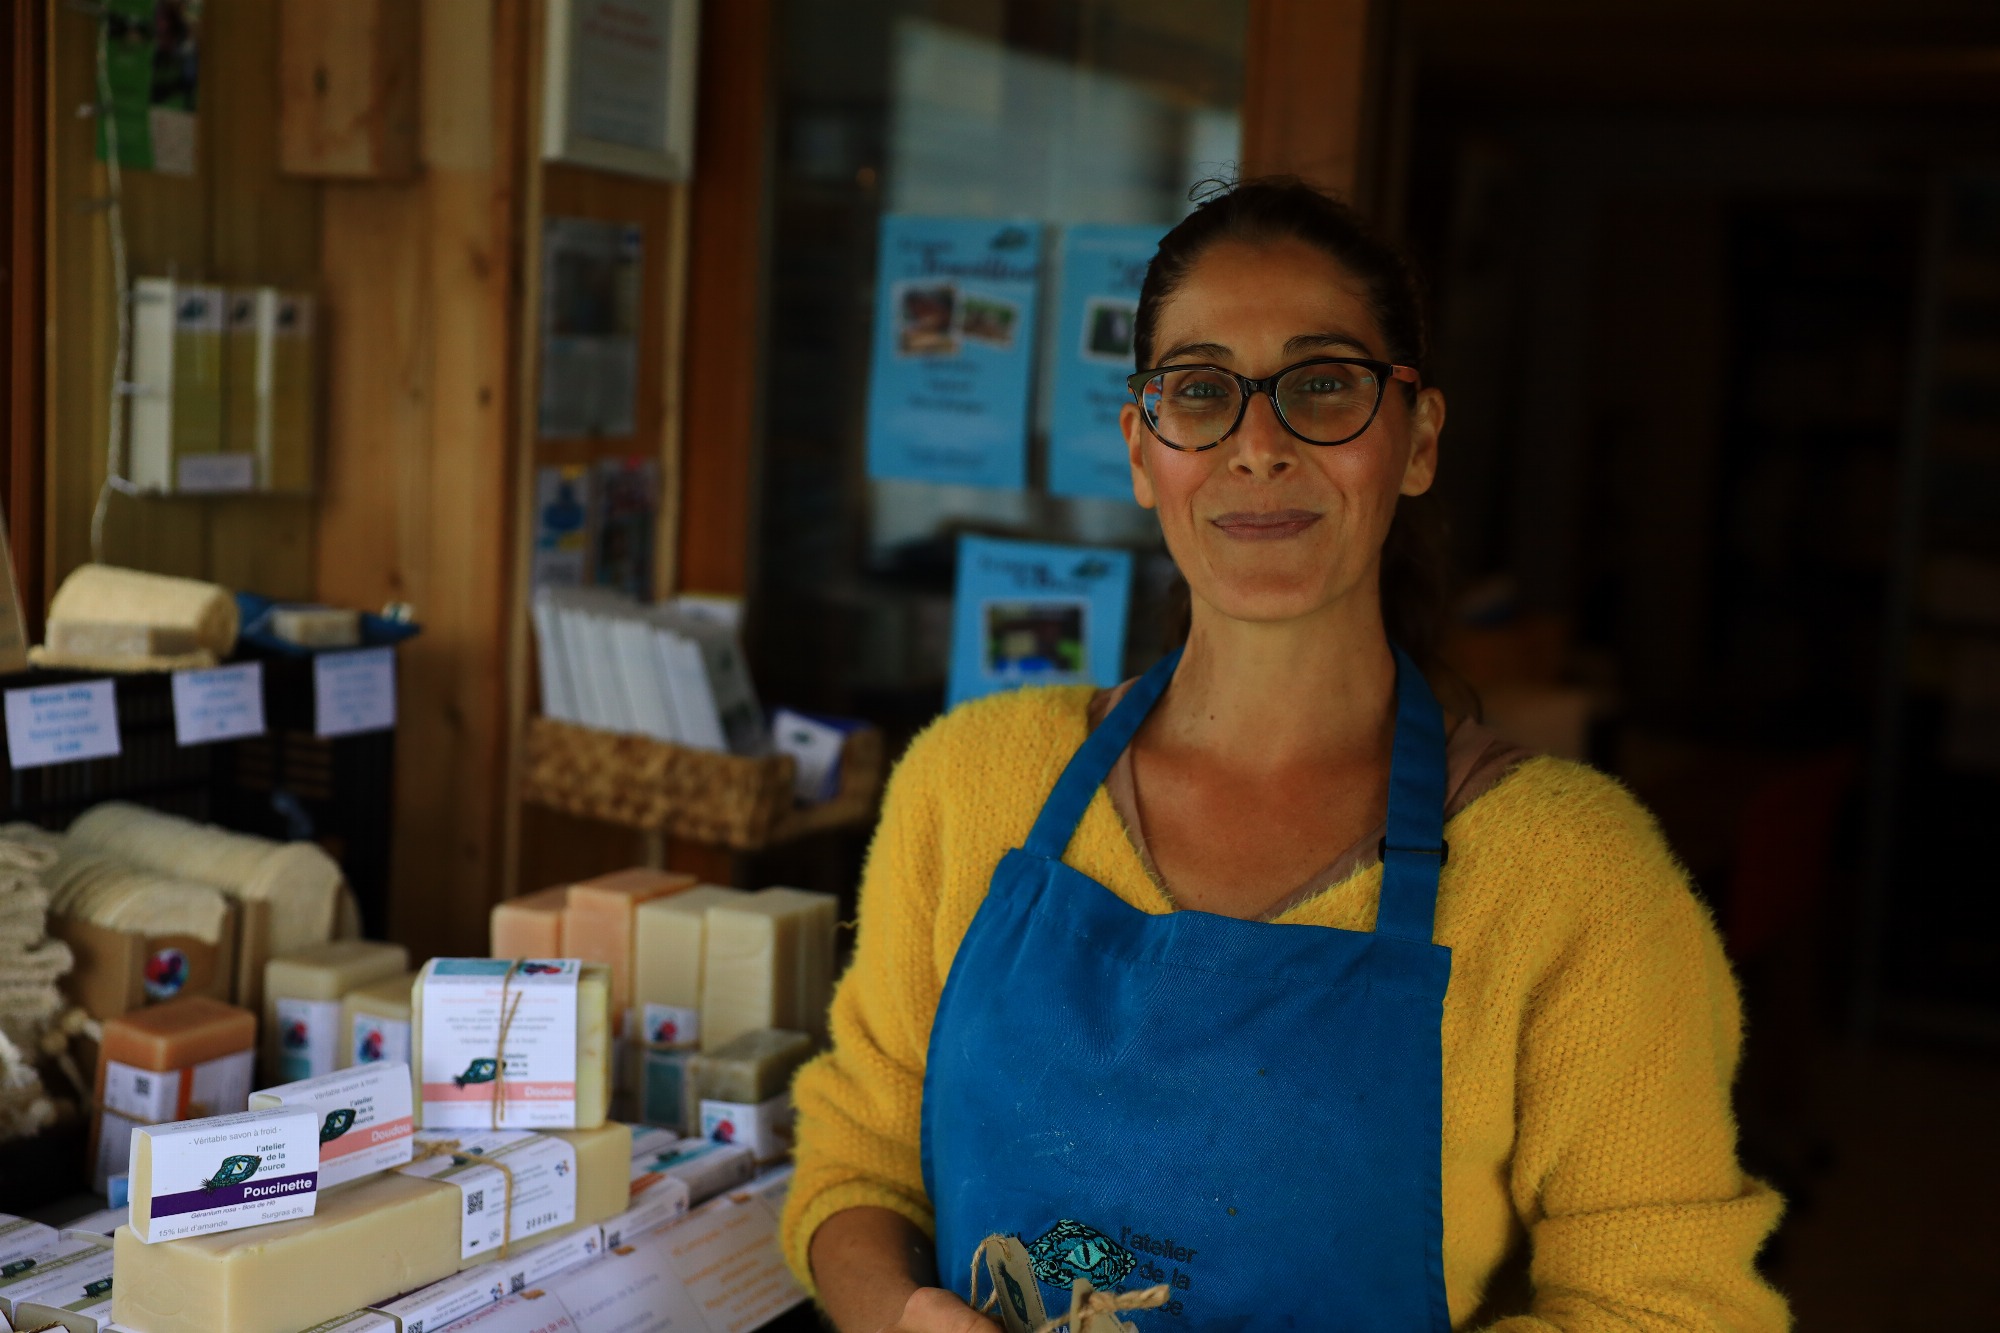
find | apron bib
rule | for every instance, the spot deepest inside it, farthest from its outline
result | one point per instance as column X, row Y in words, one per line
column 1246, row 1112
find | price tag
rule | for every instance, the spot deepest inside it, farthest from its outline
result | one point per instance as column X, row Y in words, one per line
column 57, row 724
column 219, row 705
column 354, row 692
column 217, row 474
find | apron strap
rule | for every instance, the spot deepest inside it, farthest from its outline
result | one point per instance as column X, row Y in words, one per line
column 1414, row 851
column 1093, row 761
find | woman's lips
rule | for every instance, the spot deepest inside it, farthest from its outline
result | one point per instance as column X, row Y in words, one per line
column 1265, row 527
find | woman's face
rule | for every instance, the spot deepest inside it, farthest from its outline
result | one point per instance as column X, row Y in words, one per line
column 1264, row 526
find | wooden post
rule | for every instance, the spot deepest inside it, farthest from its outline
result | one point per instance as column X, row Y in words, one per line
column 347, row 74
column 1310, row 92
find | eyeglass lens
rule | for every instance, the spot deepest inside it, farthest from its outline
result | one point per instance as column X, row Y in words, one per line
column 1327, row 403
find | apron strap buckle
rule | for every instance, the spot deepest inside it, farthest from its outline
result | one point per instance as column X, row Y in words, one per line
column 1442, row 851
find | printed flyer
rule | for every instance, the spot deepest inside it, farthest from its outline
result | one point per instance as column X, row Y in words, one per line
column 1102, row 268
column 1032, row 614
column 954, row 351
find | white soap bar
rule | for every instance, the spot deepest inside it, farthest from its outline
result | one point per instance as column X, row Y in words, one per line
column 663, row 1202
column 100, row 1223
column 365, row 1120
column 765, row 1127
column 767, row 962
column 230, row 1171
column 303, row 1029
column 707, row 1168
column 68, row 1269
column 20, row 1238
column 556, row 1070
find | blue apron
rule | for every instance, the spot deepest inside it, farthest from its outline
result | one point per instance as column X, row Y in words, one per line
column 1247, row 1112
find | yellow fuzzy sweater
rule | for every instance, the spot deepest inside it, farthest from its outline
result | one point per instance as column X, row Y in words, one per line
column 1590, row 1032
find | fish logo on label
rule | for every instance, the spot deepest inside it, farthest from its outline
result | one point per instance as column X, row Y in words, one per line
column 15, row 1269
column 166, row 973
column 483, row 1070
column 233, row 1171
column 1070, row 1250
column 336, row 1124
column 97, row 1288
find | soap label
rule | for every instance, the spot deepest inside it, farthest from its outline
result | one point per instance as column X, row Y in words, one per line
column 542, row 1262
column 61, row 723
column 223, row 704
column 228, row 1172
column 307, row 1037
column 468, row 1082
column 448, row 1300
column 73, row 1269
column 765, row 1127
column 670, row 1026
column 375, row 1039
column 220, row 1086
column 707, row 1168
column 663, row 1202
column 354, row 692
column 20, row 1238
column 365, row 1122
column 88, row 1311
column 536, row 1193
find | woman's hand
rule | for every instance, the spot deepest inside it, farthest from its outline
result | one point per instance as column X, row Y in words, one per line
column 935, row 1310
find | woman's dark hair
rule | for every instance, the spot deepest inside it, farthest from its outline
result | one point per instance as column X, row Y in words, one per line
column 1415, row 582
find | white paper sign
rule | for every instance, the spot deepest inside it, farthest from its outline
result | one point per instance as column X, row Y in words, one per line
column 217, row 474
column 354, row 692
column 219, row 705
column 60, row 723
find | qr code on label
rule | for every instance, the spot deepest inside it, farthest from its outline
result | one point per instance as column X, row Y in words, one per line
column 475, row 1202
column 143, row 1086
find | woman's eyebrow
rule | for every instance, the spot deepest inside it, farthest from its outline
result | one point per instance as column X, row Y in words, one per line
column 1316, row 342
column 1212, row 351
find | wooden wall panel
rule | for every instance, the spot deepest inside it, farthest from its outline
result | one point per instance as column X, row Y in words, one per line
column 1306, row 90
column 23, row 130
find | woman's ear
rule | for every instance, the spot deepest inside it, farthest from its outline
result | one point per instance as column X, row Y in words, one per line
column 1134, row 426
column 1426, row 423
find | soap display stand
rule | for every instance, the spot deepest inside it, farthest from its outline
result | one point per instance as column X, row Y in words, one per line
column 698, row 795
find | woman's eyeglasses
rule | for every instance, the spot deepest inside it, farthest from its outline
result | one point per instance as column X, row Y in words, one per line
column 1327, row 400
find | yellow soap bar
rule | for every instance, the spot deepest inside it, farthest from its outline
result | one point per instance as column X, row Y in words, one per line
column 302, row 995
column 756, row 1067
column 368, row 1241
column 454, row 1086
column 666, row 960
column 375, row 1022
column 530, row 926
column 767, row 962
column 598, row 925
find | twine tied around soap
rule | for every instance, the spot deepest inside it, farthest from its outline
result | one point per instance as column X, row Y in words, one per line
column 498, row 1105
column 424, row 1152
column 1086, row 1303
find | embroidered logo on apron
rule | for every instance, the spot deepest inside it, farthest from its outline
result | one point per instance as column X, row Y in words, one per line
column 1070, row 1250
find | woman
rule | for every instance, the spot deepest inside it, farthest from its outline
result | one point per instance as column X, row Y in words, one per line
column 1195, row 985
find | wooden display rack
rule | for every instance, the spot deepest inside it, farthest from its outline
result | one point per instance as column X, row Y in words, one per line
column 699, row 795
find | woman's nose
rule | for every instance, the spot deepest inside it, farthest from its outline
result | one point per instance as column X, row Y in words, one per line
column 1264, row 448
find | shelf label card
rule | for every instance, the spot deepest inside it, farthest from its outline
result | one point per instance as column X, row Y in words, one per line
column 217, row 474
column 58, row 724
column 354, row 692
column 222, row 704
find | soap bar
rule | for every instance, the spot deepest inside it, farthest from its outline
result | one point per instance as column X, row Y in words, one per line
column 765, row 1127
column 73, row 1263
column 449, row 1300
column 302, row 1003
column 557, row 1071
column 560, row 1183
column 666, row 963
column 190, row 1056
column 538, row 1263
column 598, row 924
column 530, row 926
column 317, row 626
column 20, row 1238
column 666, row 1091
column 224, row 1173
column 651, row 1141
column 85, row 1314
column 755, row 1067
column 376, row 1021
column 707, row 1168
column 368, row 1242
column 768, row 963
column 365, row 1118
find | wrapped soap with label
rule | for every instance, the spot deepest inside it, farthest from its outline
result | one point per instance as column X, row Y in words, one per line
column 69, row 1269
column 365, row 1121
column 20, row 1238
column 87, row 1313
column 745, row 1090
column 366, row 1243
column 375, row 1022
column 517, row 1186
column 551, row 1071
column 706, row 1167
column 224, row 1173
column 663, row 1201
column 359, row 1321
column 303, row 1035
column 190, row 1056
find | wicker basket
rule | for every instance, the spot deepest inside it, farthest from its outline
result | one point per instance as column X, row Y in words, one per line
column 699, row 795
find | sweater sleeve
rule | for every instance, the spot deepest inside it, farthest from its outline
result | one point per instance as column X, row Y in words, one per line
column 860, row 1104
column 1625, row 1171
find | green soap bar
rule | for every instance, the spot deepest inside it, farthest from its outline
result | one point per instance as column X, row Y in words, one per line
column 754, row 1067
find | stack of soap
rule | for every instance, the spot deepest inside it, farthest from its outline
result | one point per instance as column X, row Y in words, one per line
column 530, row 926
column 555, row 1075
column 367, row 1243
column 364, row 1117
column 302, row 1003
column 745, row 1094
column 70, row 1269
column 224, row 1173
column 670, row 936
column 189, row 1056
column 598, row 922
column 555, row 1184
column 375, row 1021
column 768, row 963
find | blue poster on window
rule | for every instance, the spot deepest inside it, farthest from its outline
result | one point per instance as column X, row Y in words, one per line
column 1102, row 268
column 1031, row 614
column 954, row 350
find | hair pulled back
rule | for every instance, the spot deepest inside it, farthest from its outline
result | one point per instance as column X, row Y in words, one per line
column 1266, row 209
